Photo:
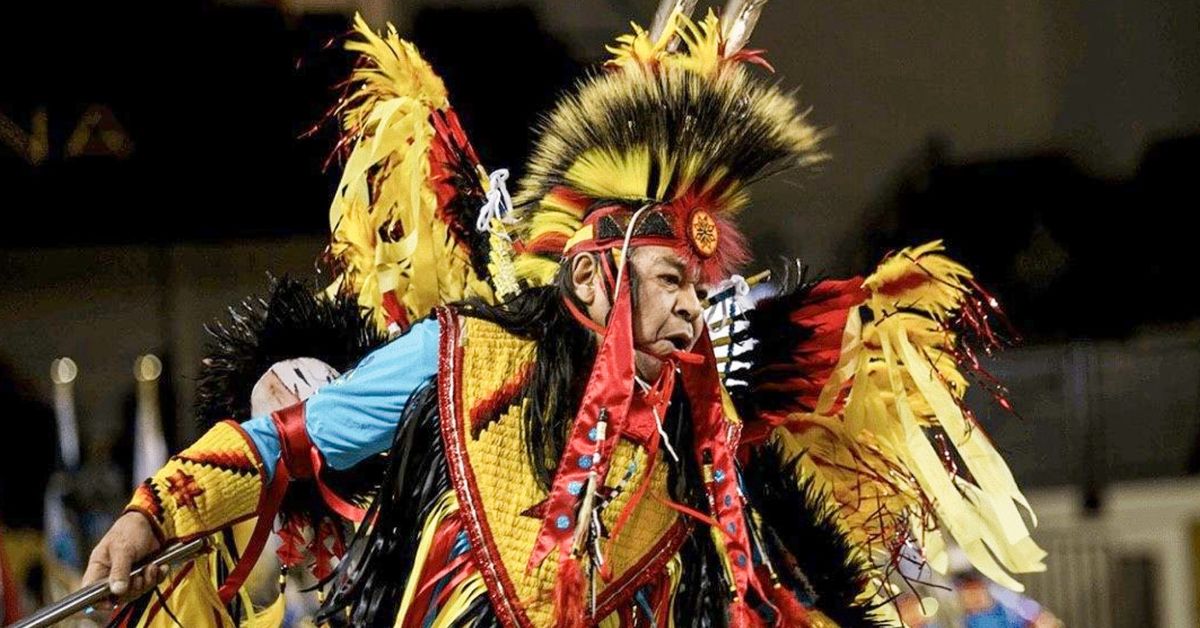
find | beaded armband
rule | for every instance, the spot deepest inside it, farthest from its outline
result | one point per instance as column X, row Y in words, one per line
column 216, row 481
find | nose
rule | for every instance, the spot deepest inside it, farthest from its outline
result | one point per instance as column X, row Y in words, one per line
column 688, row 305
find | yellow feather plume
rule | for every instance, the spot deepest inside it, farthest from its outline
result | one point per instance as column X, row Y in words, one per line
column 900, row 456
column 387, row 238
column 701, row 52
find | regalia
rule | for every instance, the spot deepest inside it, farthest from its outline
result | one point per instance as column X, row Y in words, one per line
column 775, row 473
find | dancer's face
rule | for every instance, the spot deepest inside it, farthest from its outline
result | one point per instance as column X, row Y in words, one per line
column 667, row 304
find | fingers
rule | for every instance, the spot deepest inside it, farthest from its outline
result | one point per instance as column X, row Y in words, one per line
column 140, row 583
column 97, row 567
column 102, row 611
column 118, row 575
column 152, row 574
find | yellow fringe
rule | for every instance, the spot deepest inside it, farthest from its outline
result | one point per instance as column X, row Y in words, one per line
column 675, row 573
column 470, row 589
column 446, row 505
column 194, row 601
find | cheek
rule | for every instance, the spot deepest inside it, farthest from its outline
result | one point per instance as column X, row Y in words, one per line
column 653, row 310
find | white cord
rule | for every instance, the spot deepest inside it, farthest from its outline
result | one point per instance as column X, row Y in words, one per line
column 666, row 440
column 740, row 287
column 498, row 204
column 625, row 246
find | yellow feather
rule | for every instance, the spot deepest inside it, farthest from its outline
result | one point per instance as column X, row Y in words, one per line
column 602, row 173
column 918, row 278
column 536, row 270
column 874, row 456
column 702, row 51
column 385, row 188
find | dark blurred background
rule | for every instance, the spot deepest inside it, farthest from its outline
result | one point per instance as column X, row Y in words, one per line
column 158, row 159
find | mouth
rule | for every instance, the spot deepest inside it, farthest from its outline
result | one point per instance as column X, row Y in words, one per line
column 668, row 344
column 681, row 341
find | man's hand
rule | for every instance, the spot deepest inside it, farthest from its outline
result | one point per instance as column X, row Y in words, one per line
column 130, row 540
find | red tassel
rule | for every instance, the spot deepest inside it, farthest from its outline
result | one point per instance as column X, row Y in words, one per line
column 326, row 545
column 792, row 613
column 291, row 551
column 740, row 616
column 568, row 595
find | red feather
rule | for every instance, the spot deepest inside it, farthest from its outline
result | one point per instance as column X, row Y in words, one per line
column 791, row 612
column 325, row 547
column 568, row 595
column 740, row 616
column 291, row 551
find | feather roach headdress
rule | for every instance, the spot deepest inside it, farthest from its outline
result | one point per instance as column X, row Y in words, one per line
column 677, row 123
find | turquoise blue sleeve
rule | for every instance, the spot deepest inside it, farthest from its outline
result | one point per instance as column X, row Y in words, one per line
column 355, row 416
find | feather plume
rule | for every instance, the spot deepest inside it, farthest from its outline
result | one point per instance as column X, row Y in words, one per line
column 868, row 395
column 737, row 23
column 636, row 135
column 403, row 213
column 665, row 15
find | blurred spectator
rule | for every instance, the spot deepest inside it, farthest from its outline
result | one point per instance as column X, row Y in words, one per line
column 988, row 605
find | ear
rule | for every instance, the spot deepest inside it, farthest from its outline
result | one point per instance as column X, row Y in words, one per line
column 583, row 278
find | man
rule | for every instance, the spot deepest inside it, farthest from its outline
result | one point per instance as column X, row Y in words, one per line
column 564, row 446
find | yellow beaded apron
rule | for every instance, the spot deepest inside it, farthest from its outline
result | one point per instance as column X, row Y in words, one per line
column 480, row 382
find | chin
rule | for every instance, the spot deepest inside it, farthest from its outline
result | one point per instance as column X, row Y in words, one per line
column 648, row 366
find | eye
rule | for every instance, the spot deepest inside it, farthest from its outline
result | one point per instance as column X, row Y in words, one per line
column 671, row 279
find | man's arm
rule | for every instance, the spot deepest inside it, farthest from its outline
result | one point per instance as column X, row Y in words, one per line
column 355, row 416
column 221, row 477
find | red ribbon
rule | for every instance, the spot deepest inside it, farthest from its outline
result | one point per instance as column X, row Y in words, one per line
column 268, row 506
column 609, row 389
column 714, row 437
column 299, row 459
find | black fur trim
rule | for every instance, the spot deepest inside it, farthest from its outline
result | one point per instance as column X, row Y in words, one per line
column 293, row 321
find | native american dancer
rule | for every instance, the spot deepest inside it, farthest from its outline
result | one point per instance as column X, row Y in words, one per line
column 578, row 418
